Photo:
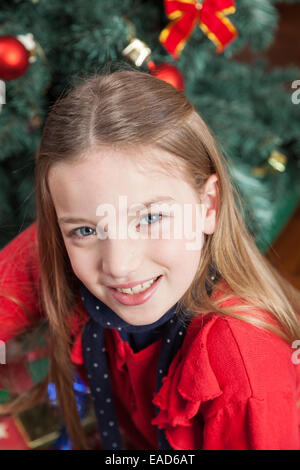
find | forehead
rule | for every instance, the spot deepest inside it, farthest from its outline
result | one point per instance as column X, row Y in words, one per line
column 127, row 163
column 149, row 160
column 78, row 188
column 105, row 174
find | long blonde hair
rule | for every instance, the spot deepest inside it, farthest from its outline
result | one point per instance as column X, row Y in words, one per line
column 130, row 107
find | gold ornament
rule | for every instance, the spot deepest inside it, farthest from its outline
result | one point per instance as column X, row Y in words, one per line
column 137, row 51
column 276, row 162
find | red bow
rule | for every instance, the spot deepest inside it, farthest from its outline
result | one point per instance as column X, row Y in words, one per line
column 185, row 14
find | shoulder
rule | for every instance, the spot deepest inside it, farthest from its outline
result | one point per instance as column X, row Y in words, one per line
column 19, row 258
column 19, row 283
column 233, row 374
column 241, row 359
column 21, row 241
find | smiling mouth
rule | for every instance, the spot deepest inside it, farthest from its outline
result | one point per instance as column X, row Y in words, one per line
column 138, row 288
column 132, row 299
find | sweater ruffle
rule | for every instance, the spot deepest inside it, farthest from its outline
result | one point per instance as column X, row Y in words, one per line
column 190, row 382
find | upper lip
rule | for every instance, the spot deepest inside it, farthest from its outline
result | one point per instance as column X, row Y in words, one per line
column 131, row 284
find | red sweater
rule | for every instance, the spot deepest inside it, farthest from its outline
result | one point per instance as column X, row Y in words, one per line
column 230, row 386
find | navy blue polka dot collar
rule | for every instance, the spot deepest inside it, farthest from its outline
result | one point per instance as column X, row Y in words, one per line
column 171, row 327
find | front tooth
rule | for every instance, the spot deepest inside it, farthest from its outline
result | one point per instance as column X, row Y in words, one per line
column 137, row 289
column 142, row 287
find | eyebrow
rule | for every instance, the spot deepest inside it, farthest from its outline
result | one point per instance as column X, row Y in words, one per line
column 80, row 220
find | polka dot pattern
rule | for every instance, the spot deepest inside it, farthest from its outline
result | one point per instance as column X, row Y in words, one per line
column 171, row 329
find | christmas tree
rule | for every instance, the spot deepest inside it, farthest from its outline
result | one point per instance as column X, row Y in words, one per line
column 194, row 44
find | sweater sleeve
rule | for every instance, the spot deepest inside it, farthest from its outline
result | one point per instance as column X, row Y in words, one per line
column 259, row 406
column 254, row 425
column 19, row 284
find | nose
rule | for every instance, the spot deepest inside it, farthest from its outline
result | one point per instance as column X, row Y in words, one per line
column 121, row 259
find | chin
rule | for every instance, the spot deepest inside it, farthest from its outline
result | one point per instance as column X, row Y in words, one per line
column 141, row 321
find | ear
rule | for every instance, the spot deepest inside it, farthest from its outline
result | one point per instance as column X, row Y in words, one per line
column 211, row 201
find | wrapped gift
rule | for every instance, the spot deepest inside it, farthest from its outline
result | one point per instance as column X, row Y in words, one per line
column 27, row 363
column 41, row 427
column 11, row 437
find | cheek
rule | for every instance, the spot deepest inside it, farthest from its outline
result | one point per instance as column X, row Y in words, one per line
column 174, row 255
column 83, row 263
column 189, row 258
column 186, row 268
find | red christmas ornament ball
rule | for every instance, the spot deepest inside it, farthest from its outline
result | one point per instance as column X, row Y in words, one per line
column 168, row 73
column 14, row 58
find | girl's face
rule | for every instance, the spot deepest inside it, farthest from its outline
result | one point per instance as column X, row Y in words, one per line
column 103, row 181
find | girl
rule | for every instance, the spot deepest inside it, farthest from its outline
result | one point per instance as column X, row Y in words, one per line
column 183, row 346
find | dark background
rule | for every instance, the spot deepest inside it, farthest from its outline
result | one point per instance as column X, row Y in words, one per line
column 285, row 251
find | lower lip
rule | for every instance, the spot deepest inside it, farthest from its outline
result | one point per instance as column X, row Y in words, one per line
column 135, row 299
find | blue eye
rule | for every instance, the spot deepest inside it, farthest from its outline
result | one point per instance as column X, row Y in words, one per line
column 74, row 232
column 86, row 234
column 152, row 215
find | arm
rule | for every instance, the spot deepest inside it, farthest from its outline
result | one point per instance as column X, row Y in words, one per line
column 256, row 424
column 19, row 284
column 259, row 407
